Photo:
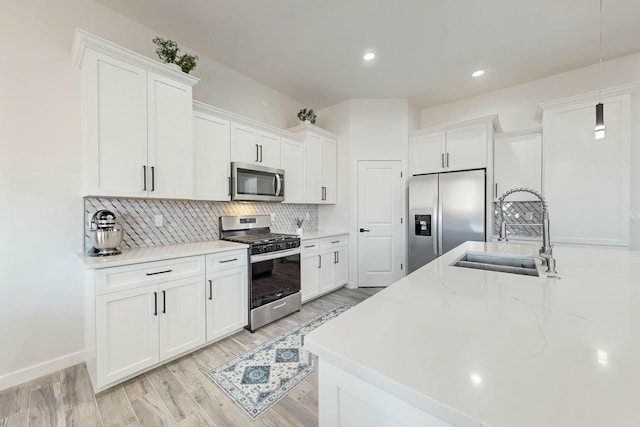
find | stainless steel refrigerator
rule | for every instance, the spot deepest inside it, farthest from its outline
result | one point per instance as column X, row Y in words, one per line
column 445, row 210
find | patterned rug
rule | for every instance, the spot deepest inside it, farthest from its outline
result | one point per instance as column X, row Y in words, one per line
column 263, row 375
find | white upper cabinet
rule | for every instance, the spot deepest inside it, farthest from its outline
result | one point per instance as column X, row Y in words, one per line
column 320, row 165
column 254, row 146
column 211, row 155
column 269, row 150
column 452, row 147
column 586, row 180
column 517, row 163
column 292, row 161
column 137, row 123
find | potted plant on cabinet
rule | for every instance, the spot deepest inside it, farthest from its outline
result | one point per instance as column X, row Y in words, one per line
column 168, row 51
column 307, row 115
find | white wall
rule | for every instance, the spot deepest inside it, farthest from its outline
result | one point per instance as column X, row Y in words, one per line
column 368, row 129
column 516, row 107
column 41, row 211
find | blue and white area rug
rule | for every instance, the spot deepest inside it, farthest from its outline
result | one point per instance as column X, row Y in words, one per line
column 263, row 375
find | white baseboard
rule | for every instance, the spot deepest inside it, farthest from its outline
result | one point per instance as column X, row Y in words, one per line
column 44, row 368
column 351, row 285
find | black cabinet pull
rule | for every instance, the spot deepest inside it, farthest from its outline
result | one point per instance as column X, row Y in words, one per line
column 362, row 230
column 335, row 257
column 228, row 260
column 261, row 153
column 442, row 159
column 447, row 159
column 257, row 153
column 319, row 261
column 153, row 178
column 159, row 272
column 336, row 241
column 155, row 303
column 229, row 185
column 310, row 246
column 211, row 289
column 164, row 302
column 144, row 178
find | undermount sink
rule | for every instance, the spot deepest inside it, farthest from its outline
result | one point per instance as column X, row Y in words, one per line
column 498, row 262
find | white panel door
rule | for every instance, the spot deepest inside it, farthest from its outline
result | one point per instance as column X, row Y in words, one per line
column 181, row 311
column 329, row 171
column 211, row 157
column 116, row 127
column 292, row 161
column 227, row 302
column 426, row 153
column 326, row 272
column 381, row 248
column 170, row 146
column 466, row 148
column 313, row 169
column 126, row 332
column 586, row 181
column 309, row 276
column 269, row 150
column 341, row 267
column 518, row 164
column 244, row 144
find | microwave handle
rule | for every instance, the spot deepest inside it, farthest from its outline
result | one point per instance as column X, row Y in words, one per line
column 278, row 184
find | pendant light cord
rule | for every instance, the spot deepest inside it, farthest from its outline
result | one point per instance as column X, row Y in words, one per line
column 600, row 62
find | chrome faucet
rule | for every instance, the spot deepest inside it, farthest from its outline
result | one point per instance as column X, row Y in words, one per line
column 546, row 251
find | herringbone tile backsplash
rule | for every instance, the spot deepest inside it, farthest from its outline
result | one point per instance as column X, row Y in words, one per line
column 187, row 221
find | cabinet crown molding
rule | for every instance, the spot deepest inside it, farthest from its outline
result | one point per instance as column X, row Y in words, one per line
column 305, row 127
column 585, row 97
column 84, row 40
column 492, row 119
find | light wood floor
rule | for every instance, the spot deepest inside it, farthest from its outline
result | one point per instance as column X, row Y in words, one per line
column 178, row 393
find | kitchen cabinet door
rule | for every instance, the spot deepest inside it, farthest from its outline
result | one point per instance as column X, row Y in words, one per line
column 313, row 169
column 329, row 171
column 426, row 153
column 126, row 333
column 310, row 276
column 170, row 138
column 244, row 144
column 466, row 148
column 227, row 302
column 115, row 105
column 292, row 161
column 341, row 267
column 269, row 145
column 181, row 313
column 212, row 157
column 517, row 164
column 326, row 272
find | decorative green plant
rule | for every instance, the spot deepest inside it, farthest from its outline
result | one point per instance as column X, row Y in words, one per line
column 168, row 51
column 307, row 114
column 299, row 222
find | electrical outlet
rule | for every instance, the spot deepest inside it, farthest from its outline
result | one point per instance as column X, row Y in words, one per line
column 307, row 216
column 273, row 217
column 529, row 216
column 159, row 220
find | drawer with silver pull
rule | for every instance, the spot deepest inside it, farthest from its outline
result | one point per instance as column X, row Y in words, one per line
column 309, row 246
column 115, row 279
column 226, row 260
column 334, row 242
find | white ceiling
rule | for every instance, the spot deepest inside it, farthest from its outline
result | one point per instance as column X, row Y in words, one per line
column 426, row 50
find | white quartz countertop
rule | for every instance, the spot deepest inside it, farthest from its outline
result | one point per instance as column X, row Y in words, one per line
column 156, row 253
column 309, row 235
column 476, row 347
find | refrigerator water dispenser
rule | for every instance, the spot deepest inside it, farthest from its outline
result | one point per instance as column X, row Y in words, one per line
column 423, row 225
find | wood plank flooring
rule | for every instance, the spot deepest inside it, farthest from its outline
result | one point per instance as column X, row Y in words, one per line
column 178, row 393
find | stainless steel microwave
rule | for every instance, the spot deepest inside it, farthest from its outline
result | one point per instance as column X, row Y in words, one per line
column 256, row 183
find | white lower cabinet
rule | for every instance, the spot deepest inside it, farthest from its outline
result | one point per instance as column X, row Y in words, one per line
column 227, row 297
column 324, row 266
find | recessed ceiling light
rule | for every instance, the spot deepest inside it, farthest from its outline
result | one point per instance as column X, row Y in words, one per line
column 477, row 73
column 369, row 56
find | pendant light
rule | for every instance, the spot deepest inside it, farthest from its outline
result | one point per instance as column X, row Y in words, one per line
column 600, row 131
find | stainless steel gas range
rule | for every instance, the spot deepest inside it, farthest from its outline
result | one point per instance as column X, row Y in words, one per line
column 274, row 269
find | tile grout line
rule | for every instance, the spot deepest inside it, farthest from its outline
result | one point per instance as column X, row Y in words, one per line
column 133, row 411
column 29, row 404
column 160, row 397
column 194, row 399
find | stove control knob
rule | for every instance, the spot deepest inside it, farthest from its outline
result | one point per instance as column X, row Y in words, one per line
column 278, row 247
column 288, row 245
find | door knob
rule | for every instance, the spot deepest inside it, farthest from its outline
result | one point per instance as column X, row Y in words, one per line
column 362, row 230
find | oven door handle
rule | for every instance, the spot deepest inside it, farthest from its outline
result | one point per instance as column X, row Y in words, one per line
column 274, row 255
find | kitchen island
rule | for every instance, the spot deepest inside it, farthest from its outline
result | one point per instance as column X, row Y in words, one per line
column 453, row 346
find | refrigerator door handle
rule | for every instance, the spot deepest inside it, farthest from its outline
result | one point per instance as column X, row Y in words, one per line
column 435, row 223
column 440, row 203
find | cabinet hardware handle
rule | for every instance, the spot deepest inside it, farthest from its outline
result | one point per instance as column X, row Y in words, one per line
column 496, row 192
column 257, row 154
column 159, row 272
column 319, row 261
column 279, row 306
column 335, row 257
column 153, row 178
column 447, row 159
column 164, row 302
column 144, row 178
column 211, row 289
column 260, row 153
column 155, row 303
column 228, row 260
column 336, row 241
column 442, row 159
column 362, row 230
column 310, row 246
